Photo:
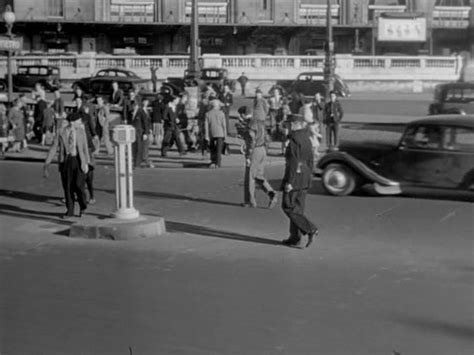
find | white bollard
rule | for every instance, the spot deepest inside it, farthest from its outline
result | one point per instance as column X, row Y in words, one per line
column 123, row 136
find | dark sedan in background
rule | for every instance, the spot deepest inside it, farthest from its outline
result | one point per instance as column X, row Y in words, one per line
column 308, row 83
column 453, row 98
column 101, row 82
column 434, row 153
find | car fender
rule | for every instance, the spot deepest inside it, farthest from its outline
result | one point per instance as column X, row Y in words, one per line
column 357, row 166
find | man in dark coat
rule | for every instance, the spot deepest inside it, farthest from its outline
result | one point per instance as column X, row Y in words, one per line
column 243, row 79
column 171, row 128
column 83, row 110
column 333, row 114
column 116, row 97
column 139, row 119
column 297, row 181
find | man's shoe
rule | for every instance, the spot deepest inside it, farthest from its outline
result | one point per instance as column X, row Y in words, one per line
column 82, row 212
column 311, row 237
column 92, row 201
column 292, row 243
column 212, row 166
column 273, row 200
column 67, row 215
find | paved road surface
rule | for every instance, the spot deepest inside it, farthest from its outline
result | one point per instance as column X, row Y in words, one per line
column 388, row 275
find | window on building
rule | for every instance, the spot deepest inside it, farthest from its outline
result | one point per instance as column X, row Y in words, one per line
column 388, row 2
column 210, row 11
column 314, row 11
column 132, row 10
column 56, row 8
column 265, row 5
column 452, row 3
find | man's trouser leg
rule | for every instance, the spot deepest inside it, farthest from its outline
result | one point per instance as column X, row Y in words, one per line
column 106, row 137
column 247, row 185
column 79, row 187
column 336, row 134
column 68, row 189
column 166, row 141
column 219, row 147
column 177, row 138
column 213, row 149
column 293, row 206
column 145, row 150
column 328, row 135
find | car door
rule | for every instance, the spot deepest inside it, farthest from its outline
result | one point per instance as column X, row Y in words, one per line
column 420, row 157
column 459, row 157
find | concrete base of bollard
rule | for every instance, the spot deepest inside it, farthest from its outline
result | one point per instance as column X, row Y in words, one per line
column 118, row 229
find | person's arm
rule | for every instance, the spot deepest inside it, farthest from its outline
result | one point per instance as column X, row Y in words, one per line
column 206, row 127
column 341, row 111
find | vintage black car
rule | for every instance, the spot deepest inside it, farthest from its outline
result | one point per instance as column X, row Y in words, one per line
column 309, row 83
column 453, row 98
column 101, row 82
column 433, row 153
column 28, row 75
column 217, row 77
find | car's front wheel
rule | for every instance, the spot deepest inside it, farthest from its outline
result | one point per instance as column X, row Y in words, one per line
column 339, row 180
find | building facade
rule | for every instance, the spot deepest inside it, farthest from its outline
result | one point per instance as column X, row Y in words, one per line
column 241, row 27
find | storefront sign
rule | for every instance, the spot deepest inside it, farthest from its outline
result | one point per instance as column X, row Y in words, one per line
column 402, row 29
column 11, row 44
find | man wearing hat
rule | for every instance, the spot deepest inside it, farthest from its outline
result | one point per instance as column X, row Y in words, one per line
column 333, row 114
column 297, row 181
column 74, row 160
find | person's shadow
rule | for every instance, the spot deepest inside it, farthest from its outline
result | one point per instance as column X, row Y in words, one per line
column 179, row 227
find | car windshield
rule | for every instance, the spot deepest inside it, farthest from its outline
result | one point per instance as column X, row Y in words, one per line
column 310, row 77
column 459, row 95
column 211, row 74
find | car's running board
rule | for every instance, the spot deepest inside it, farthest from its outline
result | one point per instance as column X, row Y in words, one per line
column 392, row 189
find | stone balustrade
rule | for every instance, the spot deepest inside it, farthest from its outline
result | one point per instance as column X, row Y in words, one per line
column 260, row 67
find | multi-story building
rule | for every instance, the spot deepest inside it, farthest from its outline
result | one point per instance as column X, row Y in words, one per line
column 235, row 26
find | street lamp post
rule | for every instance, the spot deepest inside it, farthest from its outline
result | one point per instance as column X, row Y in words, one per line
column 328, row 64
column 9, row 18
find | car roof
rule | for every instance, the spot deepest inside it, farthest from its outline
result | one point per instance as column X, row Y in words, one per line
column 446, row 120
column 456, row 85
column 118, row 70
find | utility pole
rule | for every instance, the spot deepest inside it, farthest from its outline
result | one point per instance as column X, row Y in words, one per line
column 329, row 64
column 194, row 67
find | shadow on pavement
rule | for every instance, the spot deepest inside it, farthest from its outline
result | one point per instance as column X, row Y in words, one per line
column 445, row 327
column 178, row 227
column 28, row 196
column 170, row 196
column 14, row 211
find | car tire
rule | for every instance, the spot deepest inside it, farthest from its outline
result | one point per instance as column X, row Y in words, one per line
column 339, row 180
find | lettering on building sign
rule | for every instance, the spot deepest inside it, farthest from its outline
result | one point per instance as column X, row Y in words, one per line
column 402, row 30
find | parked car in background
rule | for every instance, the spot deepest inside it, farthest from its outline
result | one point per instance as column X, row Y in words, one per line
column 434, row 153
column 101, row 82
column 308, row 83
column 453, row 98
column 217, row 77
column 28, row 75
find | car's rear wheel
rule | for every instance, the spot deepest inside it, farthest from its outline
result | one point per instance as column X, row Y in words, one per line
column 339, row 180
